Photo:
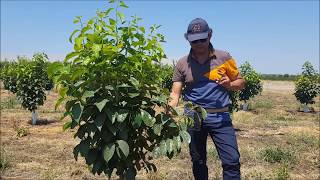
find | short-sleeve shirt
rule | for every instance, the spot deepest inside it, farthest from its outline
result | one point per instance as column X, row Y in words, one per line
column 201, row 87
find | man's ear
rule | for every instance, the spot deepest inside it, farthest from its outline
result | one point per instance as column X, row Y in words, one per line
column 186, row 36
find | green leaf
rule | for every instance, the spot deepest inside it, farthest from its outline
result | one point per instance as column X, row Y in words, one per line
column 100, row 105
column 163, row 147
column 84, row 147
column 164, row 118
column 77, row 84
column 120, row 15
column 78, row 43
column 99, row 121
column 156, row 152
column 109, row 10
column 76, row 150
column 112, row 21
column 133, row 95
column 63, row 91
column 108, row 151
column 185, row 136
column 70, row 55
column 76, row 112
column 107, row 136
column 87, row 94
column 203, row 113
column 122, row 115
column 75, row 21
column 111, row 127
column 157, row 129
column 170, row 145
column 54, row 68
column 137, row 121
column 67, row 125
column 123, row 145
column 96, row 48
column 177, row 142
column 147, row 118
column 72, row 34
column 109, row 115
column 142, row 29
column 122, row 4
column 134, row 82
column 91, row 156
column 59, row 101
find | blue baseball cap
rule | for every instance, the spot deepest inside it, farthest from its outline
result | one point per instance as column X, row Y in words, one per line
column 197, row 29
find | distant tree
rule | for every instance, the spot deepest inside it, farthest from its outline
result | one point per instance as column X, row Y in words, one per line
column 253, row 85
column 307, row 85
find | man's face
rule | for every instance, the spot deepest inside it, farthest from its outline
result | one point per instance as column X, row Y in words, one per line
column 200, row 45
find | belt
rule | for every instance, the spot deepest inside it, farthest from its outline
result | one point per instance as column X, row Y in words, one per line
column 210, row 110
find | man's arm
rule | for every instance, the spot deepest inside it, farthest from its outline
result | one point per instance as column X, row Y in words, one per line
column 175, row 93
column 233, row 85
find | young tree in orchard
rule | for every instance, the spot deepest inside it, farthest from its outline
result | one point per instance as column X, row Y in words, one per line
column 31, row 84
column 9, row 77
column 307, row 86
column 111, row 86
column 253, row 85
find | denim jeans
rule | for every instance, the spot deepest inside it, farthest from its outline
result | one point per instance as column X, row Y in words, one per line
column 221, row 131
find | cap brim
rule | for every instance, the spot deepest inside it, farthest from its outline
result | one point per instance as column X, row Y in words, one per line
column 197, row 36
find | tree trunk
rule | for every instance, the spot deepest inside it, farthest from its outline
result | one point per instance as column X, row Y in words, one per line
column 34, row 117
column 306, row 109
column 245, row 106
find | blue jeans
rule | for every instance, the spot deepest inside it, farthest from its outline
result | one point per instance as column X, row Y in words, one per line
column 220, row 128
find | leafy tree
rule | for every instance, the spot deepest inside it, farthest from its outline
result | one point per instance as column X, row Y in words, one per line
column 307, row 85
column 111, row 86
column 253, row 85
column 308, row 70
column 9, row 77
column 30, row 83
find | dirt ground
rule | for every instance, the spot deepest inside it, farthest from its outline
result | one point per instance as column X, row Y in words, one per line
column 273, row 124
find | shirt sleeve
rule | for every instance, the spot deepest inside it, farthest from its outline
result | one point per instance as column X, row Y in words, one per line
column 232, row 69
column 177, row 74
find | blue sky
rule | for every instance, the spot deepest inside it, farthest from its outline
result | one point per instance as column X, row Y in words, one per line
column 275, row 37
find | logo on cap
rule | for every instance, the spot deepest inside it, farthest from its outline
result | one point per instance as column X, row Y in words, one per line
column 196, row 28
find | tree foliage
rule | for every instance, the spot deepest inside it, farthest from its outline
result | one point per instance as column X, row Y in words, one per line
column 111, row 86
column 30, row 81
column 253, row 85
column 166, row 75
column 9, row 76
column 307, row 85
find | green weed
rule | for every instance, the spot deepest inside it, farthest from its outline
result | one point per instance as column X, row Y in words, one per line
column 22, row 131
column 4, row 160
column 282, row 173
column 275, row 154
column 9, row 103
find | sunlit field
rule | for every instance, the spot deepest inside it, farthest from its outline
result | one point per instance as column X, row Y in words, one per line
column 276, row 140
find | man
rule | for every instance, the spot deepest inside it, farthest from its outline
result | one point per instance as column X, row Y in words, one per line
column 205, row 76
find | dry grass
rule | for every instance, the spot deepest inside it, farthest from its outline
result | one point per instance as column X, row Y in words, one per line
column 274, row 122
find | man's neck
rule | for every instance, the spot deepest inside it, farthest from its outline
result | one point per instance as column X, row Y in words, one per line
column 201, row 57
